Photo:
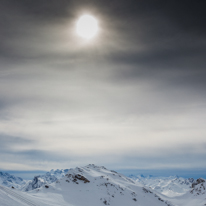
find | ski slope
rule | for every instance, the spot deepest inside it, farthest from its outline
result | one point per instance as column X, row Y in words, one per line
column 11, row 197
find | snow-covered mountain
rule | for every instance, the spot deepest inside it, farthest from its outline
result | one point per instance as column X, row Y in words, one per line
column 47, row 178
column 195, row 197
column 97, row 186
column 198, row 187
column 11, row 181
column 169, row 186
column 138, row 178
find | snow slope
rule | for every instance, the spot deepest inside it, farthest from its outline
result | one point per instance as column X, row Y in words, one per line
column 11, row 197
column 96, row 186
column 195, row 197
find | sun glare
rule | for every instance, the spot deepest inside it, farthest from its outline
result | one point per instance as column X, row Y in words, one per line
column 87, row 27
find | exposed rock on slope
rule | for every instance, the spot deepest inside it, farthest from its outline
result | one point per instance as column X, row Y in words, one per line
column 199, row 187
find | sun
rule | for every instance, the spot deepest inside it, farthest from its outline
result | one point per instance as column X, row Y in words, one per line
column 87, row 27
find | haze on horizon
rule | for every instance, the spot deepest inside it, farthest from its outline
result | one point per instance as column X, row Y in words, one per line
column 132, row 97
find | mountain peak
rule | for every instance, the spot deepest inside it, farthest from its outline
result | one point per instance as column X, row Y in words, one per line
column 97, row 186
column 93, row 166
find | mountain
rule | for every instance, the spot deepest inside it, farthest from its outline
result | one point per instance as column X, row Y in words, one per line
column 92, row 185
column 137, row 178
column 195, row 197
column 198, row 187
column 169, row 186
column 11, row 181
column 47, row 178
column 97, row 186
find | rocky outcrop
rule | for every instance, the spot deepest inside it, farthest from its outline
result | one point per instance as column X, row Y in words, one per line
column 198, row 181
column 75, row 178
column 199, row 187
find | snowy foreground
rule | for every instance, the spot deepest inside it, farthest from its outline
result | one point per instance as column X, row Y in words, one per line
column 96, row 186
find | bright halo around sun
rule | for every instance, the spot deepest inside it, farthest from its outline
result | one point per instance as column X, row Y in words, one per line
column 87, row 27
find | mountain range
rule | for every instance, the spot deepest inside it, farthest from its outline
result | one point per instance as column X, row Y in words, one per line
column 170, row 186
column 40, row 180
column 93, row 185
column 8, row 180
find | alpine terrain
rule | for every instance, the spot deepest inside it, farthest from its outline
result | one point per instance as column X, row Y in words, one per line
column 47, row 178
column 170, row 186
column 92, row 185
column 8, row 180
column 86, row 186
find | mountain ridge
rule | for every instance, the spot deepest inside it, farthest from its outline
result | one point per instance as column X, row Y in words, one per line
column 9, row 180
column 48, row 178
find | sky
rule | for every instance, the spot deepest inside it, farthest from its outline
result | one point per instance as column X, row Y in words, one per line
column 133, row 97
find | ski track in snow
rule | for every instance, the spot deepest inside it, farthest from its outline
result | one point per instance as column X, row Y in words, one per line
column 14, row 195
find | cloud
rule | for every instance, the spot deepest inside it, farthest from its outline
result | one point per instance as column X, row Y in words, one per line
column 9, row 142
column 135, row 94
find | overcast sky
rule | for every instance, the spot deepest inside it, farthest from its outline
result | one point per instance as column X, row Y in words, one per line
column 132, row 97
